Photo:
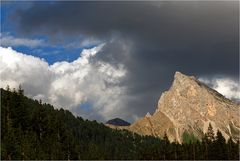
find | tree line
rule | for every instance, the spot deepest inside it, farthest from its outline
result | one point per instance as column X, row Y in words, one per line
column 34, row 130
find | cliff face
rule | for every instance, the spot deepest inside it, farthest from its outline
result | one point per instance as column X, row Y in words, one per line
column 189, row 106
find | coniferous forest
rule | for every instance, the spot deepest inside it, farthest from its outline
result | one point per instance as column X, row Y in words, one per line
column 33, row 130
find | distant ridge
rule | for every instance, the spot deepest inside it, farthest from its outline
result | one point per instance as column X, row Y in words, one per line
column 118, row 122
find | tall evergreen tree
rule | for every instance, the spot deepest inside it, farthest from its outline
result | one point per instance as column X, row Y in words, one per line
column 220, row 148
column 210, row 133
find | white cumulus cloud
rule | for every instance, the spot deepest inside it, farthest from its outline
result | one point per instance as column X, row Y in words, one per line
column 67, row 84
column 8, row 40
column 228, row 87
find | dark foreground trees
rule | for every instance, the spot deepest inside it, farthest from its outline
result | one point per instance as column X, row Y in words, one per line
column 33, row 130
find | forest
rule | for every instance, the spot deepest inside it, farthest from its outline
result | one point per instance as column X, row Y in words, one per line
column 31, row 129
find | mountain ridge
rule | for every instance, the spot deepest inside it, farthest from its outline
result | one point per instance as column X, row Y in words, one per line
column 118, row 122
column 190, row 106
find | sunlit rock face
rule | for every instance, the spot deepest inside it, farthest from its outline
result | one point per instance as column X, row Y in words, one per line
column 189, row 106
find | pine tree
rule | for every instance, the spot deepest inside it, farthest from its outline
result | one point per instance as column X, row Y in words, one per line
column 8, row 88
column 232, row 149
column 220, row 149
column 210, row 133
column 166, row 146
column 20, row 90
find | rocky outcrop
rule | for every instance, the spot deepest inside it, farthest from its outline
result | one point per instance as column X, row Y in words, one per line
column 155, row 125
column 189, row 106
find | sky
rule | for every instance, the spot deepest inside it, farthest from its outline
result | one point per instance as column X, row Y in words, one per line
column 102, row 60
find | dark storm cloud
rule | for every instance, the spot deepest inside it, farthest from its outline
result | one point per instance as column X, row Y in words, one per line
column 152, row 39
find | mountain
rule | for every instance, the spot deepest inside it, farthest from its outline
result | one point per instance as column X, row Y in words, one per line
column 188, row 108
column 32, row 130
column 118, row 122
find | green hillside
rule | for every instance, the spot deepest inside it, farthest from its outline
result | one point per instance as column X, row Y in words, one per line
column 33, row 130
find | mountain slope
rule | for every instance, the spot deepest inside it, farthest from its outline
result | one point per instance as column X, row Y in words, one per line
column 31, row 130
column 190, row 106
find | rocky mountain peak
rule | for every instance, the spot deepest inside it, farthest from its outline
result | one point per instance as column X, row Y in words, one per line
column 148, row 115
column 179, row 75
column 190, row 106
column 182, row 81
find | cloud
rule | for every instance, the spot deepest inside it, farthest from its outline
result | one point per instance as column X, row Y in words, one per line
column 151, row 40
column 68, row 84
column 230, row 88
column 83, row 43
column 164, row 36
column 88, row 80
column 8, row 40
